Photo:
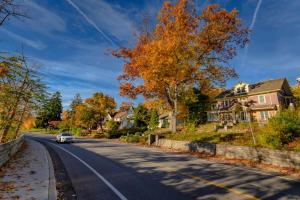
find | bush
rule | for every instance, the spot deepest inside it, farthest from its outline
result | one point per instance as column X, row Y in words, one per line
column 286, row 125
column 118, row 133
column 111, row 125
column 191, row 127
column 76, row 131
column 134, row 139
column 266, row 137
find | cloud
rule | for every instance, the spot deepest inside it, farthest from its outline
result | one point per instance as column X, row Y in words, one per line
column 251, row 28
column 40, row 20
column 91, row 22
column 112, row 20
column 33, row 43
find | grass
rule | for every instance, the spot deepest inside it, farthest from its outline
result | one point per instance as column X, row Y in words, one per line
column 40, row 130
column 239, row 134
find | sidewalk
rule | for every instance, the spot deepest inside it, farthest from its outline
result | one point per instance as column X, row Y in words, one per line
column 29, row 175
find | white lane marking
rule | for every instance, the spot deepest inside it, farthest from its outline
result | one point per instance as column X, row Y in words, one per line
column 119, row 194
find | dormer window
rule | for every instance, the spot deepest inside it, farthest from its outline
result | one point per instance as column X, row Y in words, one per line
column 241, row 88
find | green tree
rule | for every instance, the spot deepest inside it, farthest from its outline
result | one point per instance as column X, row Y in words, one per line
column 75, row 102
column 21, row 92
column 50, row 111
column 153, row 122
column 296, row 93
column 141, row 116
column 197, row 104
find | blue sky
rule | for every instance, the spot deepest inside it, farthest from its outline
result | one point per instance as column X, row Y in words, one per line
column 70, row 40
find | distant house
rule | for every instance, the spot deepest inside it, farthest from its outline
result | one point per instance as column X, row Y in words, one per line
column 124, row 118
column 257, row 102
column 164, row 120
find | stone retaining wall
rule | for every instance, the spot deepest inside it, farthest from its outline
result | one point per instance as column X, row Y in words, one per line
column 268, row 156
column 7, row 150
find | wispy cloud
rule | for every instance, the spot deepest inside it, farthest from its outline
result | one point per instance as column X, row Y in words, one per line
column 255, row 14
column 41, row 20
column 91, row 22
column 32, row 43
column 113, row 20
column 251, row 27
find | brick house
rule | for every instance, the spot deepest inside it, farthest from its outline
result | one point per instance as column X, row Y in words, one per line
column 259, row 101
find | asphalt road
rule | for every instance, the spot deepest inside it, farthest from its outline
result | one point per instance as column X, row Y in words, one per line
column 105, row 170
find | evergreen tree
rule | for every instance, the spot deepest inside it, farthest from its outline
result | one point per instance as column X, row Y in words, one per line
column 50, row 111
column 140, row 116
column 153, row 123
column 75, row 102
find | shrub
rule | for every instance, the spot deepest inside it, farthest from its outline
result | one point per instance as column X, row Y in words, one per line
column 267, row 137
column 76, row 131
column 133, row 139
column 118, row 133
column 111, row 125
column 286, row 125
column 191, row 127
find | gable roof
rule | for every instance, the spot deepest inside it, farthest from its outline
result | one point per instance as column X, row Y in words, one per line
column 120, row 114
column 263, row 86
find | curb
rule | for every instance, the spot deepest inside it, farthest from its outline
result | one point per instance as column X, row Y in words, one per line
column 52, row 193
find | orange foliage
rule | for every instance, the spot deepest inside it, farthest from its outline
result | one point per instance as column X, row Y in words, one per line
column 183, row 50
column 28, row 123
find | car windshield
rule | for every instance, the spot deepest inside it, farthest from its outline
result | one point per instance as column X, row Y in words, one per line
column 65, row 134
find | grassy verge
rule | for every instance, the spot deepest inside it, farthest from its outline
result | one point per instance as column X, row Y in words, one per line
column 41, row 130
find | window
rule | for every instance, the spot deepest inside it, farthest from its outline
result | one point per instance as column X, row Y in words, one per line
column 261, row 99
column 227, row 103
column 264, row 115
column 243, row 116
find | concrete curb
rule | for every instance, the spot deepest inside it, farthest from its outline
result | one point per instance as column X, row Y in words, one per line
column 52, row 193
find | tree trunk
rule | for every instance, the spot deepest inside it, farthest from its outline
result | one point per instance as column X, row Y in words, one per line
column 20, row 121
column 7, row 126
column 174, row 117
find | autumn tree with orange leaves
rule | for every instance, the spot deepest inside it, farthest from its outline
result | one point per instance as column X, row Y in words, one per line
column 184, row 50
column 93, row 112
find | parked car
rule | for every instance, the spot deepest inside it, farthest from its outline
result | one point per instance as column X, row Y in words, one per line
column 64, row 137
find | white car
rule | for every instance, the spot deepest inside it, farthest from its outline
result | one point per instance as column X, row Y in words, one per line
column 64, row 137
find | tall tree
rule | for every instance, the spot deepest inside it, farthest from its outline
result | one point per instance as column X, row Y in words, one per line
column 141, row 116
column 182, row 51
column 75, row 102
column 154, row 119
column 100, row 105
column 50, row 111
column 8, row 9
column 55, row 107
column 73, row 105
column 21, row 92
column 296, row 93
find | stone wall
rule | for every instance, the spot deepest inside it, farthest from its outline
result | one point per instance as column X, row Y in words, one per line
column 268, row 156
column 7, row 150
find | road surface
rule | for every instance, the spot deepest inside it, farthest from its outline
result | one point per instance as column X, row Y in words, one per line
column 105, row 170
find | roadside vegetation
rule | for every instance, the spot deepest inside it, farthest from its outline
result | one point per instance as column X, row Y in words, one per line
column 178, row 65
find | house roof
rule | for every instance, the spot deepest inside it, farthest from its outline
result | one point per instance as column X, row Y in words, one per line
column 264, row 86
column 121, row 114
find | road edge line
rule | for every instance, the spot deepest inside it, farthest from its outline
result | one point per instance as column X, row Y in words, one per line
column 115, row 190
